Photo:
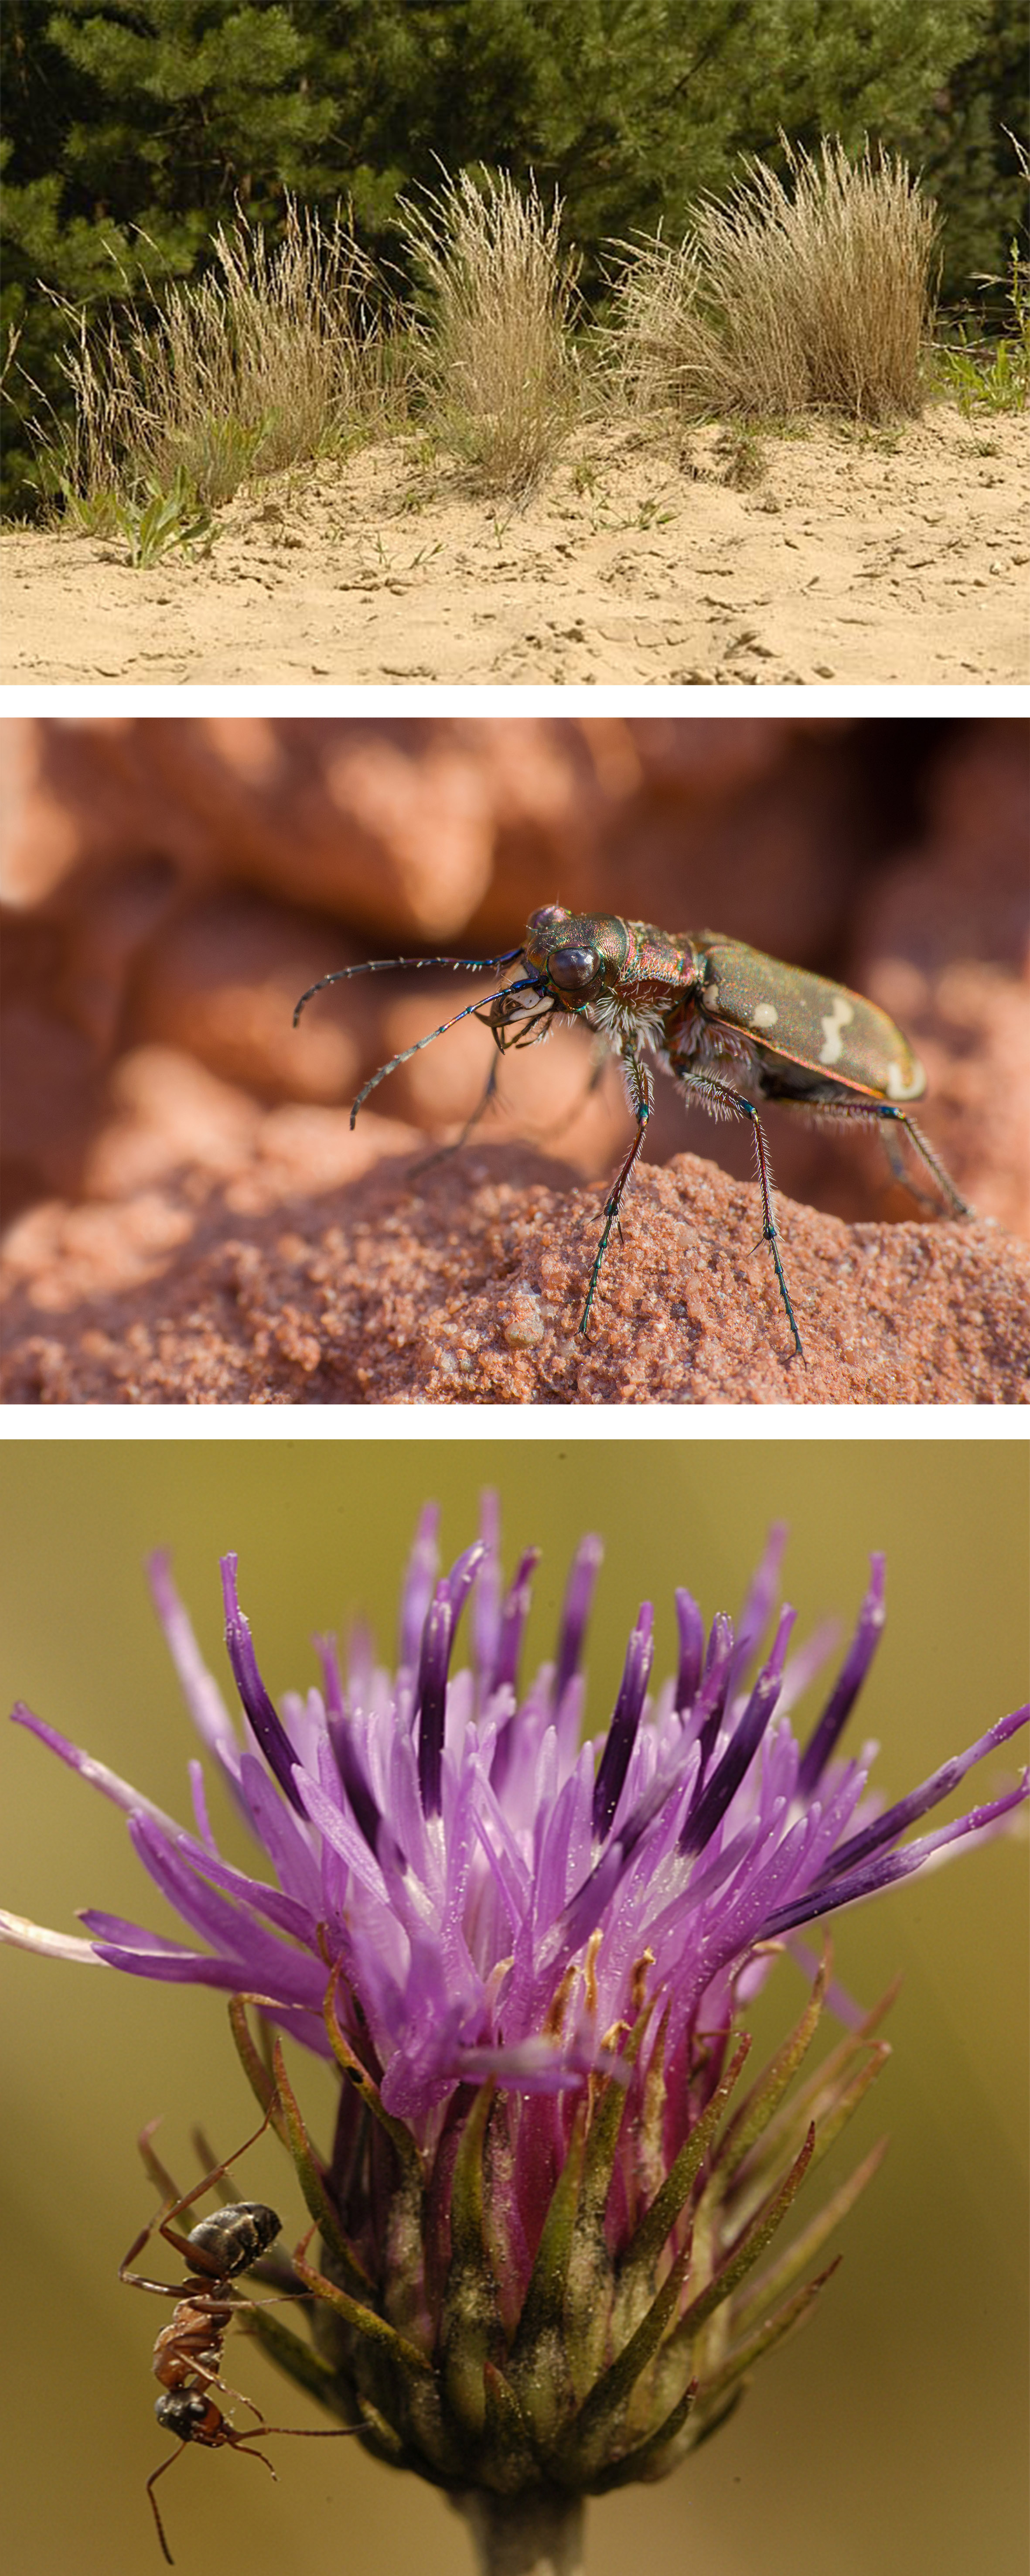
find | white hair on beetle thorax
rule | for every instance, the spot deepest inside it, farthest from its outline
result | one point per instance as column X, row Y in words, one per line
column 639, row 1025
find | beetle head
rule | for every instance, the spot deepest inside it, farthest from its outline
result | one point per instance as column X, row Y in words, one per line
column 572, row 951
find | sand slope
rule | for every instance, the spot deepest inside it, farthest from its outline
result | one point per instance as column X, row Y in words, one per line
column 464, row 1284
column 879, row 556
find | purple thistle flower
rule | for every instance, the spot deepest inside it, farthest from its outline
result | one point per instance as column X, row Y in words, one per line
column 449, row 1848
column 527, row 1954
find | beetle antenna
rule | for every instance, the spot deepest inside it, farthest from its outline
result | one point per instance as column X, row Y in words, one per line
column 528, row 984
column 380, row 965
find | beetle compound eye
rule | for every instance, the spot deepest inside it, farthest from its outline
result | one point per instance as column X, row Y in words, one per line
column 572, row 969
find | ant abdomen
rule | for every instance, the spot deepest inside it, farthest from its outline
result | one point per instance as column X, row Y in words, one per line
column 233, row 2238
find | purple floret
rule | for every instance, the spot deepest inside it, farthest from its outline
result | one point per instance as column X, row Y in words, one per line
column 490, row 1895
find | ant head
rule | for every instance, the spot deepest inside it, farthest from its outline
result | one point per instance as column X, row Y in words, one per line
column 184, row 2412
column 232, row 2239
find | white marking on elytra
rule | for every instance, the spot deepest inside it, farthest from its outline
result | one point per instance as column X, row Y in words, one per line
column 833, row 1023
column 896, row 1086
column 765, row 1015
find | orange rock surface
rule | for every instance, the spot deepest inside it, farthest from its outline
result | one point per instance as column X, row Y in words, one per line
column 170, row 885
column 465, row 1283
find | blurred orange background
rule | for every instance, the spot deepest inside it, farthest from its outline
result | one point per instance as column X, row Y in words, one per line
column 170, row 886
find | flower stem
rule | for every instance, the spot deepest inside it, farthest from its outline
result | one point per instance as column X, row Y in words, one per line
column 525, row 2535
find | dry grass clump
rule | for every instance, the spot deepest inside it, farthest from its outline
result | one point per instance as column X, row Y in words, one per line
column 267, row 360
column 785, row 300
column 498, row 373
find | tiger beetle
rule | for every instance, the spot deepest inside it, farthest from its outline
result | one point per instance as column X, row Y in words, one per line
column 730, row 1025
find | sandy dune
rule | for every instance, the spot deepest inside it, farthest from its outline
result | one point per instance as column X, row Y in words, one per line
column 836, row 555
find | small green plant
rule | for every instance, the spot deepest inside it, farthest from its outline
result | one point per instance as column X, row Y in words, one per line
column 152, row 521
column 94, row 514
column 162, row 520
column 992, row 375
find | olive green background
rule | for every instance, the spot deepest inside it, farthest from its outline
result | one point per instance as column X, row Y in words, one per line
column 891, row 2435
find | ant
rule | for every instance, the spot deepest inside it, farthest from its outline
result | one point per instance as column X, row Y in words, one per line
column 188, row 2351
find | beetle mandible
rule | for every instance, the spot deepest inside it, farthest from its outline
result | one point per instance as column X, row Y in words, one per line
column 731, row 1026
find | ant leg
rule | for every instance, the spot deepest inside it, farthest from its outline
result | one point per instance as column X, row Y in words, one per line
column 240, row 2441
column 151, row 2484
column 720, row 1096
column 172, row 2209
column 225, row 2436
column 241, row 2400
column 294, row 2433
column 641, row 1095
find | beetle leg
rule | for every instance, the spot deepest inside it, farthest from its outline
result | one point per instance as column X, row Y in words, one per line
column 899, row 1167
column 925, row 1151
column 600, row 1055
column 641, row 1095
column 721, row 1095
column 442, row 1153
column 900, row 1118
column 472, row 1010
column 887, row 1116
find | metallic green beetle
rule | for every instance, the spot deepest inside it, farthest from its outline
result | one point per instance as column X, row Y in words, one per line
column 730, row 1025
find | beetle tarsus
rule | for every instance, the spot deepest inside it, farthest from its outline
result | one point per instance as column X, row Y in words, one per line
column 770, row 1236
